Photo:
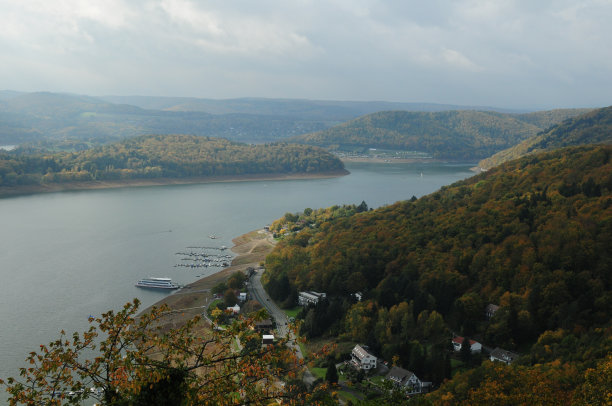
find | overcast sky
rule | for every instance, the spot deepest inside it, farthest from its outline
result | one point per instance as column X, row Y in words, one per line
column 503, row 53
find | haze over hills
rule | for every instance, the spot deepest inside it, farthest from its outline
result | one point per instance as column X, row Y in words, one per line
column 436, row 130
column 333, row 110
column 460, row 135
column 26, row 117
column 594, row 127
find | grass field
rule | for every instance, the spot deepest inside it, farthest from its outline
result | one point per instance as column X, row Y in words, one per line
column 318, row 372
column 293, row 311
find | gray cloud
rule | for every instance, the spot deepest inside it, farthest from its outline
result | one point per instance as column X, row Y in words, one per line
column 477, row 52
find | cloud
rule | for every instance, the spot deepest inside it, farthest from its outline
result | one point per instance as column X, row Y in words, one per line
column 456, row 59
column 219, row 31
column 477, row 51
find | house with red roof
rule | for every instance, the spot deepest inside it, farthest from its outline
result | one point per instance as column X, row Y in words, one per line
column 475, row 346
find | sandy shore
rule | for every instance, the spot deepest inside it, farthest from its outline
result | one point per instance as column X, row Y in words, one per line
column 190, row 301
column 387, row 160
column 112, row 184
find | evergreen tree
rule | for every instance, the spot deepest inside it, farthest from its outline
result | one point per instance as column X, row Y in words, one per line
column 331, row 375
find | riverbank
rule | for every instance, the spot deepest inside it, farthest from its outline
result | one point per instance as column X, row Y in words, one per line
column 7, row 191
column 251, row 250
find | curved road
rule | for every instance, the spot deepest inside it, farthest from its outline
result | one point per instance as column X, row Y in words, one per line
column 258, row 293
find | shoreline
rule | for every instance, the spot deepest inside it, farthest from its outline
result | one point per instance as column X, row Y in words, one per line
column 193, row 299
column 387, row 160
column 10, row 191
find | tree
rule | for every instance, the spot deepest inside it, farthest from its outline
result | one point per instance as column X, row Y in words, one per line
column 331, row 375
column 229, row 298
column 236, row 281
column 124, row 359
column 219, row 288
column 466, row 351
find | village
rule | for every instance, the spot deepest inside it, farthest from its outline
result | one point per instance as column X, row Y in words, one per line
column 362, row 372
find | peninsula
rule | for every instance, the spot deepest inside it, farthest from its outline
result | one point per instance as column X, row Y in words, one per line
column 160, row 160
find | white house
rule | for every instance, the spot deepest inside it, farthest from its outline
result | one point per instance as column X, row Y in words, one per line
column 406, row 380
column 234, row 309
column 242, row 296
column 504, row 356
column 267, row 339
column 308, row 298
column 362, row 359
column 475, row 346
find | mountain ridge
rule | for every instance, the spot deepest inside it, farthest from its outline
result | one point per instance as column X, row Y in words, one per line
column 593, row 127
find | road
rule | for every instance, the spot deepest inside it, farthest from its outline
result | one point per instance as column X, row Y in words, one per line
column 258, row 293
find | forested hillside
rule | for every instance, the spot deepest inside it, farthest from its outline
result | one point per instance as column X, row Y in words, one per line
column 594, row 127
column 460, row 135
column 167, row 156
column 533, row 236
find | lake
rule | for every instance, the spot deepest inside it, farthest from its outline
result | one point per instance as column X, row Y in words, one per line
column 65, row 256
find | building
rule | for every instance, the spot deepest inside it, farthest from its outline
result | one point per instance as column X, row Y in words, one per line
column 310, row 298
column 242, row 296
column 264, row 325
column 405, row 380
column 362, row 359
column 474, row 345
column 234, row 309
column 504, row 356
column 490, row 310
column 267, row 339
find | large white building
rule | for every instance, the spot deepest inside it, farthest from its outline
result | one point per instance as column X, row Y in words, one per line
column 362, row 359
column 310, row 298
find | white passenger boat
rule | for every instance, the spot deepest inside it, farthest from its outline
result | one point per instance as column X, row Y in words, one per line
column 157, row 283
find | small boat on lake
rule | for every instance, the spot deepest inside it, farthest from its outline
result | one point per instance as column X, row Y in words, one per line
column 157, row 283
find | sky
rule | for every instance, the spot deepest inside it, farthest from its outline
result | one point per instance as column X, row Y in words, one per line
column 500, row 53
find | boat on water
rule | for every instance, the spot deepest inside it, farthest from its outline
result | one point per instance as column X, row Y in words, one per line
column 157, row 283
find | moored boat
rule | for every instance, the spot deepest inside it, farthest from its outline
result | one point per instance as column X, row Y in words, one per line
column 157, row 283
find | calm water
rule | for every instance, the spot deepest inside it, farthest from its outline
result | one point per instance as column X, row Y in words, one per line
column 64, row 256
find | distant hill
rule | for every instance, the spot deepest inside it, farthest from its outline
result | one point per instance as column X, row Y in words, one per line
column 460, row 135
column 328, row 110
column 165, row 156
column 548, row 118
column 37, row 116
column 594, row 127
column 28, row 117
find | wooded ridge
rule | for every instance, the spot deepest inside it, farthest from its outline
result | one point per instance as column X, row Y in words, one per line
column 532, row 236
column 457, row 135
column 594, row 127
column 164, row 156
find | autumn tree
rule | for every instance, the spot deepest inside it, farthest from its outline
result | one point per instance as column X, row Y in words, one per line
column 124, row 359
